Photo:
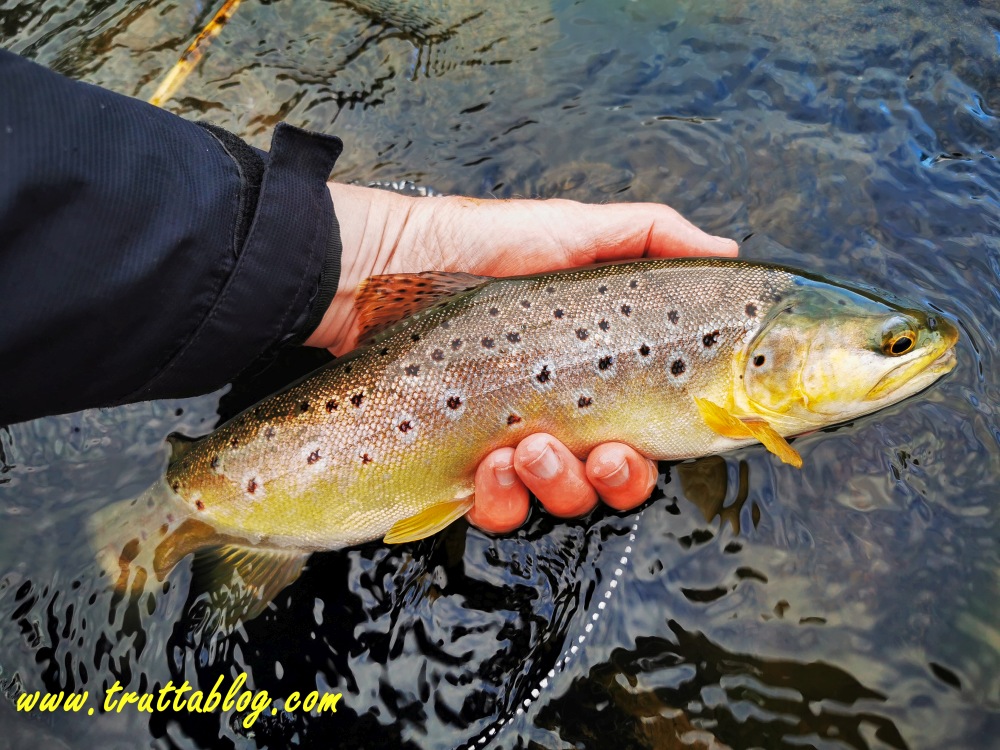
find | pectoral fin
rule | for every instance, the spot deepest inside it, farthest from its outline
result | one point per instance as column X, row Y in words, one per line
column 247, row 578
column 724, row 423
column 427, row 522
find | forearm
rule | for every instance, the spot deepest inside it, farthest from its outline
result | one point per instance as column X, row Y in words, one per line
column 140, row 255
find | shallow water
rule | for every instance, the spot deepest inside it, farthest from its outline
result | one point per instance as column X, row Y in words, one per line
column 853, row 604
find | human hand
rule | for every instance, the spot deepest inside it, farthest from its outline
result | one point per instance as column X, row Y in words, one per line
column 384, row 232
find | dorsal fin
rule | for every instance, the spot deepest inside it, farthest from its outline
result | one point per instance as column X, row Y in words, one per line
column 383, row 301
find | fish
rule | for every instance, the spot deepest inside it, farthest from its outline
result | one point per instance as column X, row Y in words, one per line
column 678, row 358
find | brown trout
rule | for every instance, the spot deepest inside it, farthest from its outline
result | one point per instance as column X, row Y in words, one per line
column 677, row 358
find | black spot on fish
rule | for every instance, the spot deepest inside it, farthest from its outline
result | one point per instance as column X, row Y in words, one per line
column 626, row 310
column 513, row 419
column 347, row 370
column 581, row 333
column 454, row 402
column 304, row 406
column 543, row 375
column 415, row 337
column 176, row 486
column 602, row 289
column 633, row 284
column 199, row 504
column 383, row 352
column 584, row 401
column 558, row 313
column 365, row 458
column 494, row 312
column 332, row 405
column 752, row 310
column 405, row 426
column 214, row 463
column 445, row 324
column 234, row 441
column 525, row 304
column 605, row 362
column 411, row 369
column 644, row 350
column 673, row 317
column 677, row 368
column 550, row 289
column 252, row 486
column 759, row 360
column 604, row 325
column 357, row 398
column 487, row 342
column 513, row 337
column 437, row 355
column 710, row 339
column 268, row 433
column 313, row 457
column 456, row 344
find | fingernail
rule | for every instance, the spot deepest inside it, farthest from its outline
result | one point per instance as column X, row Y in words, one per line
column 726, row 245
column 505, row 475
column 618, row 477
column 546, row 465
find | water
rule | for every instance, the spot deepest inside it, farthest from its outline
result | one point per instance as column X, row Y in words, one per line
column 850, row 605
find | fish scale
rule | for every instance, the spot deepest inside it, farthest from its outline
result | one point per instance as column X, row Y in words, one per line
column 677, row 358
column 398, row 446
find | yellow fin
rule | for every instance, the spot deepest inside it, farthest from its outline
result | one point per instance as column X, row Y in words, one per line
column 724, row 423
column 427, row 522
column 242, row 581
column 383, row 301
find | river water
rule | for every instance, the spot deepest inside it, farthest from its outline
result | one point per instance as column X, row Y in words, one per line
column 853, row 604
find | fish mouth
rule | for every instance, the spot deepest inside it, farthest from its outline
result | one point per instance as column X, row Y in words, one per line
column 917, row 374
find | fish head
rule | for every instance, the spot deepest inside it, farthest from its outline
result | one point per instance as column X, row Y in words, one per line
column 825, row 354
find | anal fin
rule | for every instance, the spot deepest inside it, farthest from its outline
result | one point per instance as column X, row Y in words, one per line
column 427, row 522
column 245, row 578
column 727, row 425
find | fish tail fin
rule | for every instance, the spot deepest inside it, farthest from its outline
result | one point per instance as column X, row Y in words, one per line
column 128, row 537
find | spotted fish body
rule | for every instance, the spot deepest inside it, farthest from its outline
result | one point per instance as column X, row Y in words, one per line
column 650, row 353
column 612, row 353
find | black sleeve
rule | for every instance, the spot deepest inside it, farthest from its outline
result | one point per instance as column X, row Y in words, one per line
column 143, row 256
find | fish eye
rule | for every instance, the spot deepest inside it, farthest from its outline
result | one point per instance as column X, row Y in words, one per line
column 898, row 344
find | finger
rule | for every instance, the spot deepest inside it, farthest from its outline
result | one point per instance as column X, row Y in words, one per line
column 556, row 477
column 501, row 501
column 622, row 477
column 649, row 229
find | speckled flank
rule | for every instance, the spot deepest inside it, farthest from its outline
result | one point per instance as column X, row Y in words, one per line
column 587, row 355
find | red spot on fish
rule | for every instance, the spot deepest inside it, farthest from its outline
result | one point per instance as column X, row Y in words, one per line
column 513, row 419
column 454, row 402
column 199, row 504
column 544, row 375
column 405, row 426
column 411, row 369
column 673, row 317
column 252, row 486
column 365, row 458
column 357, row 398
column 313, row 457
column 584, row 401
